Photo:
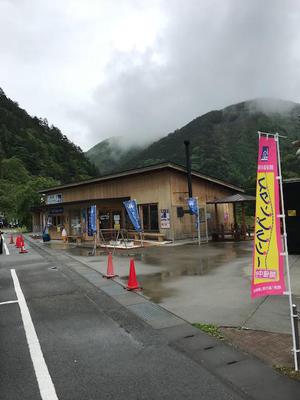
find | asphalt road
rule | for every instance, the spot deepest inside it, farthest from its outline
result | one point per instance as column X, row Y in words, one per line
column 86, row 346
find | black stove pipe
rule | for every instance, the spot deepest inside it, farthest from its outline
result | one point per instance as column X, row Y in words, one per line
column 188, row 166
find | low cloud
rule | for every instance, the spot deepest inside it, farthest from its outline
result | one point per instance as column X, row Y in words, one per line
column 107, row 71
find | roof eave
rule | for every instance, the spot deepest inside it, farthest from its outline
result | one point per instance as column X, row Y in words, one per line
column 140, row 171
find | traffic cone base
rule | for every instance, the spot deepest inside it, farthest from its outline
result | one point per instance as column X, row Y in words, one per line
column 110, row 273
column 138, row 289
column 132, row 281
column 23, row 251
column 22, row 245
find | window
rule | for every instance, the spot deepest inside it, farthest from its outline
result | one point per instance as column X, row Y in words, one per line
column 153, row 217
column 149, row 213
column 57, row 220
column 75, row 222
column 145, row 213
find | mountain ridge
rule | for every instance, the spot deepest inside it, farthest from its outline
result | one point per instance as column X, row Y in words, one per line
column 33, row 156
column 224, row 142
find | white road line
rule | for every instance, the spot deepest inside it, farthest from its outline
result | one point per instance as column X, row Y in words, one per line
column 6, row 249
column 8, row 302
column 47, row 389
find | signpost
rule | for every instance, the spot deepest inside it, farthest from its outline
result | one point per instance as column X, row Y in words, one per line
column 194, row 210
column 92, row 225
column 132, row 211
column 270, row 251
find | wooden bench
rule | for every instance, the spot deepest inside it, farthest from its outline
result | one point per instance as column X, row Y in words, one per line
column 156, row 235
column 74, row 238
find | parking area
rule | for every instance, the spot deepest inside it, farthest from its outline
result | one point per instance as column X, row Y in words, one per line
column 208, row 284
column 63, row 338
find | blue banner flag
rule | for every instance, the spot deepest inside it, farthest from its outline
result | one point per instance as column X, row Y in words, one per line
column 92, row 214
column 193, row 205
column 132, row 211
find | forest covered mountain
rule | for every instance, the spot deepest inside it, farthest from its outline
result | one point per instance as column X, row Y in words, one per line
column 42, row 149
column 224, row 142
column 33, row 155
column 109, row 154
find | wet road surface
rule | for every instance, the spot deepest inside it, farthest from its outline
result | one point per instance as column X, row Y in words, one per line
column 87, row 350
column 208, row 284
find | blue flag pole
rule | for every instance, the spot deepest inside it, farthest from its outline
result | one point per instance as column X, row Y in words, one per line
column 194, row 210
column 132, row 211
column 198, row 222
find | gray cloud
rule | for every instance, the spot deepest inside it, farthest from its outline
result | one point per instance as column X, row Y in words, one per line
column 206, row 55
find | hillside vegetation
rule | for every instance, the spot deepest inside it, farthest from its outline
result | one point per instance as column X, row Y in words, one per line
column 33, row 155
column 224, row 143
column 109, row 154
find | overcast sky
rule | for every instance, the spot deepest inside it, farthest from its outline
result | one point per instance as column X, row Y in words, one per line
column 141, row 69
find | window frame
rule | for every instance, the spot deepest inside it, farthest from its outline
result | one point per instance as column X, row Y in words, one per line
column 149, row 226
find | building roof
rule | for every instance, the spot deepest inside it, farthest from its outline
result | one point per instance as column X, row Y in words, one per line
column 136, row 171
column 236, row 198
column 291, row 180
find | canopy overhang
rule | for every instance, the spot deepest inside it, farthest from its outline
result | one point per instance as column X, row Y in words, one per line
column 236, row 198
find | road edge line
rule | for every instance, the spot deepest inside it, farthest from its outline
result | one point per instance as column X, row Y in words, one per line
column 45, row 383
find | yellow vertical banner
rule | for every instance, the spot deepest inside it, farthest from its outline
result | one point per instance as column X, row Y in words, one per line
column 267, row 271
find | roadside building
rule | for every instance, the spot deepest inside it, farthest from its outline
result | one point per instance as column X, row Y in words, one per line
column 291, row 193
column 160, row 191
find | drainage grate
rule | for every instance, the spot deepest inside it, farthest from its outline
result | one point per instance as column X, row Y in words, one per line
column 209, row 347
column 231, row 362
column 148, row 311
column 113, row 289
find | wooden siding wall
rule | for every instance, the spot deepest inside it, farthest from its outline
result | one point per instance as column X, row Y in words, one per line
column 167, row 188
column 184, row 227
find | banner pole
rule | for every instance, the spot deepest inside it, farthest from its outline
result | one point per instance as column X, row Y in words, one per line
column 142, row 242
column 285, row 254
column 198, row 223
column 206, row 228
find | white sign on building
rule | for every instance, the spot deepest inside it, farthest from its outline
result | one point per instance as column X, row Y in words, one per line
column 164, row 219
column 54, row 198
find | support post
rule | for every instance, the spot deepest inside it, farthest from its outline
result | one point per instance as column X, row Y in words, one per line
column 188, row 167
column 285, row 251
column 296, row 328
column 234, row 215
column 198, row 223
column 95, row 244
column 142, row 242
column 206, row 227
column 217, row 219
column 244, row 229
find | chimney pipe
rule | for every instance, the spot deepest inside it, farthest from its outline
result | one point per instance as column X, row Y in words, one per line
column 188, row 166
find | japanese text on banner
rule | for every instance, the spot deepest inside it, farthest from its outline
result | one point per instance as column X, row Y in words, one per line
column 267, row 271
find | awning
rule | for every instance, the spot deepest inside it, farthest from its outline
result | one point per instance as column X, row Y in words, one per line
column 236, row 198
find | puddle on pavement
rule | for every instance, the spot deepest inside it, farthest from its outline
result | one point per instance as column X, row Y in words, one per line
column 174, row 263
column 187, row 261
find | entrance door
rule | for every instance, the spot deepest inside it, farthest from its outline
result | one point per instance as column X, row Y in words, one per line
column 104, row 220
column 116, row 219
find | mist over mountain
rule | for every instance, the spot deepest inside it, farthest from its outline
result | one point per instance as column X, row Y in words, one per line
column 109, row 154
column 223, row 142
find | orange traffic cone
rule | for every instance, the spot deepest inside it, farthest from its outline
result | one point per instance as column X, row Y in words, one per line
column 132, row 281
column 110, row 273
column 22, row 244
column 18, row 242
column 11, row 239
